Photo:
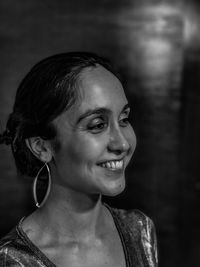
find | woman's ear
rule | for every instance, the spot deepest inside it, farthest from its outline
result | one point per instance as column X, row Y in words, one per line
column 40, row 148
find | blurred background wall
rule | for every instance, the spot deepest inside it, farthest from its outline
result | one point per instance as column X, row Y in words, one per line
column 156, row 47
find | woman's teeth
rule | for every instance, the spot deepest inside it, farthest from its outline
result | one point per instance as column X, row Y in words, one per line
column 113, row 165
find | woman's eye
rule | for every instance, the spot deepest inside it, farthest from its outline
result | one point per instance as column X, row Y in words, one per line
column 97, row 126
column 124, row 122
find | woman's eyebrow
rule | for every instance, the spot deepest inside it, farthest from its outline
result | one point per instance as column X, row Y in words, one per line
column 101, row 111
column 126, row 107
column 90, row 112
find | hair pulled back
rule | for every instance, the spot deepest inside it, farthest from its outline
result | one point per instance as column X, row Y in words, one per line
column 49, row 89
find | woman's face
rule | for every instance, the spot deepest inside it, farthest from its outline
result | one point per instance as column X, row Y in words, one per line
column 96, row 141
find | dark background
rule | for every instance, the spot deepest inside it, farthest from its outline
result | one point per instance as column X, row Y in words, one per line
column 156, row 47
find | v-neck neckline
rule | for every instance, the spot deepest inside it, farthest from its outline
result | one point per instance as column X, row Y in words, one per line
column 121, row 234
column 47, row 262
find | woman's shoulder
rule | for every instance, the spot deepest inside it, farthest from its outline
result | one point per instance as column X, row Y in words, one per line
column 133, row 218
column 13, row 249
column 9, row 246
column 139, row 234
column 8, row 240
column 16, row 250
column 133, row 214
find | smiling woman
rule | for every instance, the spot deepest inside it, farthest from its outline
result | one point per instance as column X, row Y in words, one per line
column 71, row 117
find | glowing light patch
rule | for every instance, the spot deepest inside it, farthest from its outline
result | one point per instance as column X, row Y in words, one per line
column 157, row 55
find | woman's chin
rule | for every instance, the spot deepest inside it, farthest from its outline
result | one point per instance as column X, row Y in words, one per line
column 114, row 189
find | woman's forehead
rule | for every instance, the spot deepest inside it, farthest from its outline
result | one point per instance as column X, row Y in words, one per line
column 98, row 86
column 99, row 90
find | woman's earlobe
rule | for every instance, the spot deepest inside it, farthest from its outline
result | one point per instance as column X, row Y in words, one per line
column 39, row 148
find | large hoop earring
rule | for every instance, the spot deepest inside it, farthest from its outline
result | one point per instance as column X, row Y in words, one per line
column 35, row 185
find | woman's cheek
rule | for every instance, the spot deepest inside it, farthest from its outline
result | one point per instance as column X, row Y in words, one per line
column 131, row 138
column 93, row 146
column 87, row 148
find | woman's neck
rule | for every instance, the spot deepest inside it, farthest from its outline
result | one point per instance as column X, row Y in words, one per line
column 72, row 215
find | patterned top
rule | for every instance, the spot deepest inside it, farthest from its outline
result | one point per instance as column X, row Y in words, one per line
column 136, row 231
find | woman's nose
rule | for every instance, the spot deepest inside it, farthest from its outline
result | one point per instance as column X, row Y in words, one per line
column 118, row 143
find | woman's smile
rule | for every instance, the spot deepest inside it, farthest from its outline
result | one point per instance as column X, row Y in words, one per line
column 113, row 165
column 95, row 137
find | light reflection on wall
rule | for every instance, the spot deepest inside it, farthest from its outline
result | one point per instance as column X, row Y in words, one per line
column 191, row 18
column 156, row 37
column 157, row 56
column 162, row 56
column 156, row 46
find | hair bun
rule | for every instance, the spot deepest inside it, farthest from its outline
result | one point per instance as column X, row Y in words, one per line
column 6, row 137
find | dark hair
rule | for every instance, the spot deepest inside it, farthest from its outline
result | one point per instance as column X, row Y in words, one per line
column 47, row 90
